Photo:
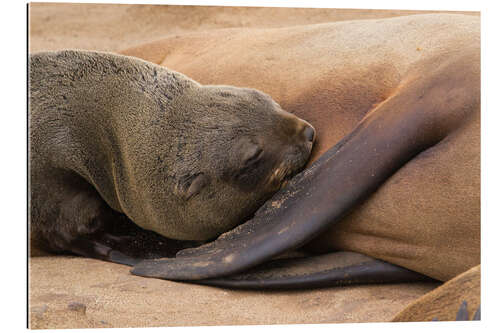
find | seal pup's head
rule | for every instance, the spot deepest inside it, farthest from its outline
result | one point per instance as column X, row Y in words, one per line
column 185, row 160
column 234, row 149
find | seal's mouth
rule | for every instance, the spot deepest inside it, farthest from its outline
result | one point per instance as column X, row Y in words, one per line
column 294, row 161
column 278, row 175
column 282, row 175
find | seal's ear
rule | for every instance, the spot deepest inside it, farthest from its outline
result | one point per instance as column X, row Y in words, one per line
column 190, row 185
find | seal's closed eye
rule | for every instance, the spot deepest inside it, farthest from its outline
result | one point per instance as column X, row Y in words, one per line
column 252, row 155
column 199, row 182
column 191, row 185
column 309, row 133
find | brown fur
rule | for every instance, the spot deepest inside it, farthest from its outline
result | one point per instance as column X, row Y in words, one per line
column 113, row 134
column 426, row 217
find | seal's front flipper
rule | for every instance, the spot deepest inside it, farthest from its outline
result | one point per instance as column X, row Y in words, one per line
column 123, row 235
column 94, row 249
column 328, row 270
column 119, row 258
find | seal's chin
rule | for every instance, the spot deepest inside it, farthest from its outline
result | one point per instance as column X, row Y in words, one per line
column 289, row 175
column 293, row 162
column 281, row 176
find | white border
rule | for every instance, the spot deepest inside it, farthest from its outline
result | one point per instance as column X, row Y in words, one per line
column 13, row 162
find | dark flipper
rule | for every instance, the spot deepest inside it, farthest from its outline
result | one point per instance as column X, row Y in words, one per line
column 334, row 269
column 123, row 235
column 94, row 249
column 120, row 241
column 398, row 129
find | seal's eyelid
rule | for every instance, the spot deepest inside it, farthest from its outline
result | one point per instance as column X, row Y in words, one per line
column 196, row 185
column 253, row 155
column 189, row 186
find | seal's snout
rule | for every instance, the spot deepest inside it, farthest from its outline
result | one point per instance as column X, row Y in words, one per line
column 295, row 152
column 305, row 134
column 309, row 133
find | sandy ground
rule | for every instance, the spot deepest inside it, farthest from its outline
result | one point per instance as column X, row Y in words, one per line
column 70, row 292
column 117, row 27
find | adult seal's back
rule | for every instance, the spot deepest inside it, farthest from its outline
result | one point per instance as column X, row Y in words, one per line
column 114, row 134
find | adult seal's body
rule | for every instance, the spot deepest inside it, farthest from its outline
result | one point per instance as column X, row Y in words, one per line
column 112, row 135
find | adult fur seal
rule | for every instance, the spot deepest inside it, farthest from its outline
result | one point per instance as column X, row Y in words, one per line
column 111, row 134
column 396, row 105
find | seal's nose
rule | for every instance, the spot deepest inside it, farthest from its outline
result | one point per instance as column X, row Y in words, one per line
column 309, row 133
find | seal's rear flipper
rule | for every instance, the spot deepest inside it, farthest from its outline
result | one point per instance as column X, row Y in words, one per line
column 328, row 270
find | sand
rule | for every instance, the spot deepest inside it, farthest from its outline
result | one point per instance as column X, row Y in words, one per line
column 107, row 27
column 72, row 292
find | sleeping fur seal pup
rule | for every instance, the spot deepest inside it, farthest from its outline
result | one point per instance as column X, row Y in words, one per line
column 112, row 134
